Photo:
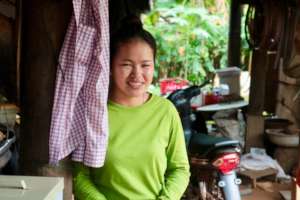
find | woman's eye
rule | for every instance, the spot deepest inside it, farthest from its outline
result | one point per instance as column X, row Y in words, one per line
column 145, row 65
column 125, row 65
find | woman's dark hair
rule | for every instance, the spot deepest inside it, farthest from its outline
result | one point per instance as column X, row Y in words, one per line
column 130, row 29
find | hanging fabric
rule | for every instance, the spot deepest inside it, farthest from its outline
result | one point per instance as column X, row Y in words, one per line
column 79, row 117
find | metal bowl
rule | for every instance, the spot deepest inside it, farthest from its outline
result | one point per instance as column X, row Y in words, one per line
column 280, row 138
column 277, row 123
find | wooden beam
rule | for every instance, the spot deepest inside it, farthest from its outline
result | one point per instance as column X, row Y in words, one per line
column 234, row 42
column 18, row 28
column 255, row 121
column 44, row 26
column 295, row 190
column 272, row 80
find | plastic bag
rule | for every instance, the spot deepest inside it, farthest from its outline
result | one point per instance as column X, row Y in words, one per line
column 257, row 159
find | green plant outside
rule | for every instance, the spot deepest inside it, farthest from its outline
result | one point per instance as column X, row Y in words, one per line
column 192, row 41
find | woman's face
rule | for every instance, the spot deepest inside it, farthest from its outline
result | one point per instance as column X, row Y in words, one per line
column 132, row 70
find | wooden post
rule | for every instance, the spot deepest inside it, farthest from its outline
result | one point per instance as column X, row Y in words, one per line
column 234, row 42
column 18, row 28
column 44, row 26
column 295, row 190
column 272, row 80
column 255, row 121
column 7, row 56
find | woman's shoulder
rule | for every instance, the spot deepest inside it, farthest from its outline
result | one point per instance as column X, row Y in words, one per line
column 162, row 101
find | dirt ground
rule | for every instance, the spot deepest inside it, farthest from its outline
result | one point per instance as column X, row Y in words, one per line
column 267, row 191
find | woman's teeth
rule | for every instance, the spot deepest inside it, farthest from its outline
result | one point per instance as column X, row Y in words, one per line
column 135, row 85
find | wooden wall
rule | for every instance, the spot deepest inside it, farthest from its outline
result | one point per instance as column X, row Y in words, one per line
column 44, row 26
column 7, row 58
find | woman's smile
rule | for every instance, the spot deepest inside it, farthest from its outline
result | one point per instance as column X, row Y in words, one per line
column 135, row 84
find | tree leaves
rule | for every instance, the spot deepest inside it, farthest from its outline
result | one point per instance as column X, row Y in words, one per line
column 191, row 41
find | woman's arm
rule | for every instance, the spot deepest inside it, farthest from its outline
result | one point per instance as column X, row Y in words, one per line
column 83, row 187
column 177, row 174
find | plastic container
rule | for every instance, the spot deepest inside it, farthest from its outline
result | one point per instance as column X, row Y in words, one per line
column 197, row 101
column 8, row 114
column 231, row 77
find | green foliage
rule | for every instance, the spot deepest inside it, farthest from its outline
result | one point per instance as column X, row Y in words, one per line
column 192, row 42
column 245, row 50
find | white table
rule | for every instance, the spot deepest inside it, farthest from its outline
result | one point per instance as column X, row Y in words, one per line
column 223, row 106
column 38, row 188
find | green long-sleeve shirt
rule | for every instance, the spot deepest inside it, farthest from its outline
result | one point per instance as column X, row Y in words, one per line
column 146, row 156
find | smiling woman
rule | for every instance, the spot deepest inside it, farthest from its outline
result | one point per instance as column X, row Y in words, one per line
column 133, row 53
column 146, row 156
column 132, row 72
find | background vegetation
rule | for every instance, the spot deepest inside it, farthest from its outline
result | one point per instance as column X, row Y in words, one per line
column 192, row 38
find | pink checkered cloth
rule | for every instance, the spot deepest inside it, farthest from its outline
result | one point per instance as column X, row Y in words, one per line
column 79, row 116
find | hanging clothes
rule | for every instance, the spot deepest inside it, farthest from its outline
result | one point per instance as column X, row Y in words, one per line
column 79, row 117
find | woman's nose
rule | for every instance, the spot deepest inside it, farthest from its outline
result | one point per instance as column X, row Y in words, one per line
column 137, row 71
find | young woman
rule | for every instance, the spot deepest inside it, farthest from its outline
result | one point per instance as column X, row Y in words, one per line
column 146, row 156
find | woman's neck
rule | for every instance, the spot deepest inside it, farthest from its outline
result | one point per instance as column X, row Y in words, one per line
column 129, row 101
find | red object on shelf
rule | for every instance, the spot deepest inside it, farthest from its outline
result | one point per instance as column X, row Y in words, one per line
column 211, row 98
column 171, row 84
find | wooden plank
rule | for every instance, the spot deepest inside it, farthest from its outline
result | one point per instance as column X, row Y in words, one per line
column 18, row 48
column 271, row 86
column 255, row 130
column 258, row 82
column 255, row 121
column 44, row 26
column 295, row 191
column 288, row 99
column 254, row 175
column 234, row 42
